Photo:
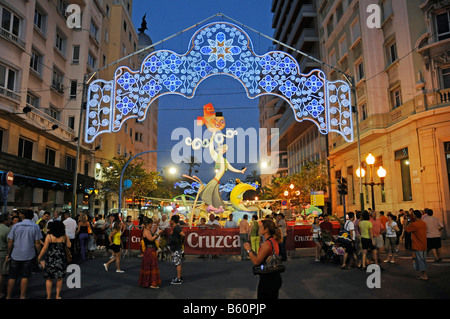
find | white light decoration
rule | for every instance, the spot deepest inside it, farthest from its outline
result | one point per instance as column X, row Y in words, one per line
column 360, row 172
column 218, row 48
column 370, row 159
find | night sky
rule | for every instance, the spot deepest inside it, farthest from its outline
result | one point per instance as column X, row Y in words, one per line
column 166, row 18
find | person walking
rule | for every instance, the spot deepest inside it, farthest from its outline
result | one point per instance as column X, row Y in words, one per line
column 71, row 229
column 377, row 229
column 24, row 240
column 244, row 228
column 175, row 243
column 391, row 238
column 83, row 235
column 115, row 246
column 149, row 273
column 418, row 230
column 367, row 239
column 4, row 264
column 315, row 230
column 434, row 227
column 254, row 234
column 350, row 246
column 269, row 284
column 56, row 263
column 281, row 223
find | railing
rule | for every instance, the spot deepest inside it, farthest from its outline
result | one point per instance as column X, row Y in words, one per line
column 9, row 93
column 445, row 95
column 12, row 37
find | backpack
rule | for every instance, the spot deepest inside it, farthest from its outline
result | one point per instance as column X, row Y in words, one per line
column 344, row 235
column 272, row 264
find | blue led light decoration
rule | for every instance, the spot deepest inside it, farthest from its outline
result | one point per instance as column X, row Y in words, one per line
column 218, row 48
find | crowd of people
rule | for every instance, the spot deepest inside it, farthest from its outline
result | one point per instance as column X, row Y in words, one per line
column 372, row 234
column 29, row 239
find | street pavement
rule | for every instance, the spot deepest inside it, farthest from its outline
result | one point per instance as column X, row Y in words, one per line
column 229, row 278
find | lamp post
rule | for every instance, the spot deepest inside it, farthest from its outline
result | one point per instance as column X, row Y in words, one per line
column 381, row 172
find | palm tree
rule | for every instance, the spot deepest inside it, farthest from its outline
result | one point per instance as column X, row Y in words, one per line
column 191, row 162
column 253, row 177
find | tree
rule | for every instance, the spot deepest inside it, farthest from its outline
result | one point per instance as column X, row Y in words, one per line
column 142, row 181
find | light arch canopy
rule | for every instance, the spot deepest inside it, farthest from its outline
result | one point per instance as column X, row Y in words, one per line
column 218, row 48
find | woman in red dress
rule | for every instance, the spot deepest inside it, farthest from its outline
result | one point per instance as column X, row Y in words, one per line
column 149, row 274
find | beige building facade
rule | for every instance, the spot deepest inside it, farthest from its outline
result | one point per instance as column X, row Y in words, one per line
column 402, row 87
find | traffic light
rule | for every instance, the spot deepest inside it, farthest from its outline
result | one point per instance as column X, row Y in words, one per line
column 342, row 186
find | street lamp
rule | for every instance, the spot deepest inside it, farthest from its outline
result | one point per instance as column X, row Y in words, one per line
column 381, row 172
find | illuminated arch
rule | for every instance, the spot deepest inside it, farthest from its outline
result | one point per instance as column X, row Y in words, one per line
column 218, row 48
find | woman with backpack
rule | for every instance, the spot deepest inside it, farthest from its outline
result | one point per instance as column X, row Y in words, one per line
column 269, row 283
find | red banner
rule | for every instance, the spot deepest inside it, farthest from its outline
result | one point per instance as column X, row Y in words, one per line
column 132, row 239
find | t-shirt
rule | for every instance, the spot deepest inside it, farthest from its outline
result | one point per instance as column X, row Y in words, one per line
column 24, row 235
column 244, row 226
column 4, row 231
column 175, row 238
column 255, row 229
column 349, row 226
column 390, row 231
column 433, row 226
column 231, row 224
column 364, row 226
column 377, row 228
column 418, row 230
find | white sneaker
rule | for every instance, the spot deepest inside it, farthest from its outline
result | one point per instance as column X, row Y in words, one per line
column 106, row 267
column 120, row 271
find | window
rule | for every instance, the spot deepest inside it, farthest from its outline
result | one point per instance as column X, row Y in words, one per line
column 40, row 19
column 1, row 140
column 94, row 30
column 124, row 26
column 106, row 36
column 57, row 80
column 25, row 148
column 76, row 54
column 333, row 61
column 7, row 78
column 86, row 168
column 387, row 9
column 446, row 78
column 71, row 122
column 443, row 26
column 10, row 22
column 73, row 89
column 92, row 61
column 392, row 53
column 62, row 7
column 50, row 155
column 36, row 62
column 396, row 97
column 343, row 48
column 359, row 70
column 60, row 42
column 70, row 163
column 364, row 112
column 33, row 100
column 355, row 31
column 54, row 112
column 403, row 156
column 330, row 26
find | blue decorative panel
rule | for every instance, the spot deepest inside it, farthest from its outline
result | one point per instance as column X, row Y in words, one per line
column 218, row 48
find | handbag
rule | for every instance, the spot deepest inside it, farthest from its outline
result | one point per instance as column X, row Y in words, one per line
column 272, row 265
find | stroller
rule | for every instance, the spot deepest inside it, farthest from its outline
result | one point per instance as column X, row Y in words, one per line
column 333, row 252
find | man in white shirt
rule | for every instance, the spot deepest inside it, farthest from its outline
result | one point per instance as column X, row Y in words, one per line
column 230, row 222
column 71, row 227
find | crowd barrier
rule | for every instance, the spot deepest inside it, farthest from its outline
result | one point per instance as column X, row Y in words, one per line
column 217, row 241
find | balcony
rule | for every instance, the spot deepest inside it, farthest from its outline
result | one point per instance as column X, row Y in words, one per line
column 12, row 38
column 444, row 96
column 9, row 94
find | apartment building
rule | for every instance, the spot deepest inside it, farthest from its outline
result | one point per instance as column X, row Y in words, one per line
column 295, row 24
column 45, row 59
column 119, row 40
column 401, row 69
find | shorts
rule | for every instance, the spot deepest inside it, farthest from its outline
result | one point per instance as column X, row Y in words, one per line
column 19, row 268
column 176, row 257
column 434, row 243
column 115, row 248
column 367, row 244
column 379, row 242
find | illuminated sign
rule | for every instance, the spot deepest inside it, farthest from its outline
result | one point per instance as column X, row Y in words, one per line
column 218, row 48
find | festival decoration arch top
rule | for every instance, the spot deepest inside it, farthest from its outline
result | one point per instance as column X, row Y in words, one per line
column 218, row 48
